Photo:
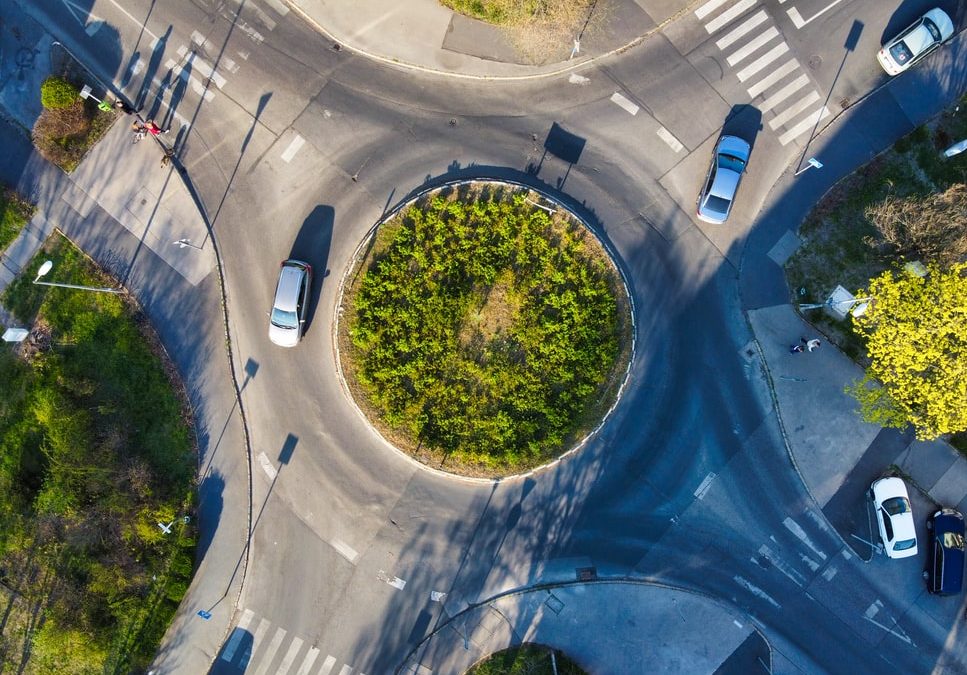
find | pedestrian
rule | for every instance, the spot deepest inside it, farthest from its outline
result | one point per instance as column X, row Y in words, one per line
column 154, row 129
column 139, row 130
column 795, row 349
column 813, row 344
column 123, row 107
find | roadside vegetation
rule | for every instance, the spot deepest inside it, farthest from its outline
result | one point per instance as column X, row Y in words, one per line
column 68, row 125
column 95, row 452
column 483, row 333
column 540, row 30
column 876, row 233
column 527, row 659
column 15, row 213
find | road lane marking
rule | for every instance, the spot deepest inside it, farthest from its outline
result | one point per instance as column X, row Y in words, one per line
column 256, row 642
column 130, row 16
column 793, row 110
column 437, row 596
column 736, row 622
column 624, row 103
column 196, row 84
column 807, row 124
column 267, row 467
column 395, row 582
column 578, row 79
column 755, row 590
column 728, row 15
column 327, row 665
column 346, row 670
column 772, row 78
column 345, row 550
column 289, row 656
column 202, row 66
column 800, row 533
column 777, row 562
column 762, row 61
column 784, row 93
column 294, row 146
column 741, row 29
column 810, row 563
column 665, row 135
column 309, row 661
column 708, row 8
column 746, row 50
column 829, row 573
column 269, row 654
column 799, row 22
column 704, row 485
column 240, row 630
column 278, row 6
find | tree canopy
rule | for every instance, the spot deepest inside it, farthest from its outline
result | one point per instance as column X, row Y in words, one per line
column 916, row 333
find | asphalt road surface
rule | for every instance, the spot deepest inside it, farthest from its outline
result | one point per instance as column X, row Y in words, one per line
column 297, row 149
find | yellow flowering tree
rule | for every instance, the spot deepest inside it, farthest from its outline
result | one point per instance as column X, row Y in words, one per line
column 916, row 333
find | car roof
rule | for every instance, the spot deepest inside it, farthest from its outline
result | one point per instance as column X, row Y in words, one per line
column 889, row 487
column 287, row 292
column 918, row 39
column 944, row 24
column 725, row 184
column 735, row 146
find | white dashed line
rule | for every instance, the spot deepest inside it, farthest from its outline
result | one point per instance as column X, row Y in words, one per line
column 772, row 78
column 293, row 148
column 346, row 670
column 762, row 61
column 801, row 535
column 199, row 64
column 804, row 126
column 345, row 550
column 624, row 103
column 747, row 49
column 784, row 93
column 728, row 15
column 756, row 591
column 665, row 135
column 269, row 654
column 741, row 29
column 578, row 79
column 708, row 8
column 704, row 485
column 327, row 665
column 290, row 655
column 309, row 661
column 829, row 573
column 267, row 466
column 794, row 110
column 395, row 582
column 437, row 596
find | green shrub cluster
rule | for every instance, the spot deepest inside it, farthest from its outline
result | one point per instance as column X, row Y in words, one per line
column 486, row 329
column 57, row 93
column 94, row 452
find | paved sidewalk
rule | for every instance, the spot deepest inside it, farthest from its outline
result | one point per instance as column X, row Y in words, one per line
column 672, row 631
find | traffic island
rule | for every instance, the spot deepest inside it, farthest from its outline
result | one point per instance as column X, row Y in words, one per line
column 484, row 330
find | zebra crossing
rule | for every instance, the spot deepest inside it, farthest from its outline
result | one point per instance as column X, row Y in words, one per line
column 762, row 62
column 266, row 651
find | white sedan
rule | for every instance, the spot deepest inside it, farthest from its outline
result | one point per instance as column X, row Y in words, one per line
column 894, row 517
column 929, row 32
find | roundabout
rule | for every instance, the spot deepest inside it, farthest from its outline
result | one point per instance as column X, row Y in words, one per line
column 483, row 331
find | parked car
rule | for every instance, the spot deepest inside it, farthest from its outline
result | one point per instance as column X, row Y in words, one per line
column 945, row 567
column 288, row 314
column 722, row 181
column 926, row 34
column 894, row 517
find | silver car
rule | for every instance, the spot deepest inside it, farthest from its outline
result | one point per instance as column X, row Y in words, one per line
column 288, row 314
column 929, row 32
column 722, row 182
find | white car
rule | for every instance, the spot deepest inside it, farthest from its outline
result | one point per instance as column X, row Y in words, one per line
column 894, row 517
column 722, row 180
column 929, row 32
column 288, row 315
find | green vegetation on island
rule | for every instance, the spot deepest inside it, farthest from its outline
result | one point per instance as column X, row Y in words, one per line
column 485, row 333
column 15, row 213
column 95, row 452
column 527, row 659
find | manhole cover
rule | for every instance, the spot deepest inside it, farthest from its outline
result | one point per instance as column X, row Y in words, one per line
column 587, row 573
column 554, row 604
column 815, row 61
column 844, row 103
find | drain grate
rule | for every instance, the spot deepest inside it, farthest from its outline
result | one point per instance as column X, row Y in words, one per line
column 587, row 573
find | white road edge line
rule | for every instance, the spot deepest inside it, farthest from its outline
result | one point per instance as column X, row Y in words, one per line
column 267, row 467
column 294, row 146
column 665, row 135
column 345, row 550
column 624, row 103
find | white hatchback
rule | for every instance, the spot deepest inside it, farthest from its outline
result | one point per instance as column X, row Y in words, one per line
column 894, row 517
column 929, row 32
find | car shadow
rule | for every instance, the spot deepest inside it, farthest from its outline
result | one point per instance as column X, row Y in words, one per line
column 312, row 245
column 744, row 121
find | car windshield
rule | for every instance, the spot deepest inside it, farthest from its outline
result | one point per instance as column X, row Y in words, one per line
column 953, row 540
column 731, row 163
column 284, row 319
column 904, row 544
column 717, row 204
column 932, row 28
column 900, row 52
column 896, row 505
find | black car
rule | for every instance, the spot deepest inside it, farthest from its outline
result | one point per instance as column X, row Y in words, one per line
column 945, row 571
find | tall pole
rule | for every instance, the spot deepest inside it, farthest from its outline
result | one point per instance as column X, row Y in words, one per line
column 48, row 265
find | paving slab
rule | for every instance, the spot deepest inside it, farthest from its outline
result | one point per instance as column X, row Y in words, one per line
column 927, row 461
column 952, row 486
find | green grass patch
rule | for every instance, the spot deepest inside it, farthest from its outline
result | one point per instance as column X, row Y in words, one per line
column 15, row 213
column 95, row 450
column 484, row 333
column 841, row 246
column 528, row 659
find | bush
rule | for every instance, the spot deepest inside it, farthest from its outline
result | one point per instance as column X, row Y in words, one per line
column 57, row 93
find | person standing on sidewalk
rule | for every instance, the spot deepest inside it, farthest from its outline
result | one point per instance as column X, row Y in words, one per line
column 812, row 344
column 154, row 129
column 795, row 349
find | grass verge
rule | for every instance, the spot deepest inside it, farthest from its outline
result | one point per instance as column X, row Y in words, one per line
column 528, row 659
column 15, row 213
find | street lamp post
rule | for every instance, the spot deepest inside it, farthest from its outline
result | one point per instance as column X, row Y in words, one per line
column 48, row 265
